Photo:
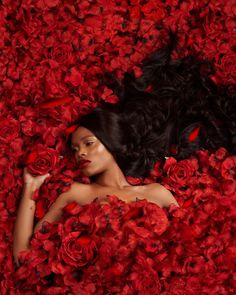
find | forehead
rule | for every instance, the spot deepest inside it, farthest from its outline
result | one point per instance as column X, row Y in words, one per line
column 80, row 133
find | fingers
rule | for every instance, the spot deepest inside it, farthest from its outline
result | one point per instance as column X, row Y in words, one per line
column 47, row 176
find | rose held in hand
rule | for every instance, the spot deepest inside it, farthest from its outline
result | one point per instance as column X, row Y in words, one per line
column 42, row 160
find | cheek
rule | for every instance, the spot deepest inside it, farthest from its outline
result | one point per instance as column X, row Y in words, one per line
column 103, row 154
column 101, row 149
column 101, row 159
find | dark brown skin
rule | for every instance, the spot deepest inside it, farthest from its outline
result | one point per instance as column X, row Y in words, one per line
column 110, row 180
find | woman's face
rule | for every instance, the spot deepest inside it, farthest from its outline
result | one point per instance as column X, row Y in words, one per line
column 88, row 147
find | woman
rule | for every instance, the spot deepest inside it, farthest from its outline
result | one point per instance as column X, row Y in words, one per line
column 109, row 180
column 183, row 112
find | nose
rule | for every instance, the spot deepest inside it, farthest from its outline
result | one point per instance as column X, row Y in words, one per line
column 81, row 153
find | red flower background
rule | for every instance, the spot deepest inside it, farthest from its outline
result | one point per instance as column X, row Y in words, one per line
column 53, row 56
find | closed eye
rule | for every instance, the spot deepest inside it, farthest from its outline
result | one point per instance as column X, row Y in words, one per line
column 89, row 143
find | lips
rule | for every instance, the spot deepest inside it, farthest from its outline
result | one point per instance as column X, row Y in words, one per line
column 83, row 163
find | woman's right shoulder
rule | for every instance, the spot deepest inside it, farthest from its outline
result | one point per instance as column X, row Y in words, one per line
column 78, row 187
column 80, row 192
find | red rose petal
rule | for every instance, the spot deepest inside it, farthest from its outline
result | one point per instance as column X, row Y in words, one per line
column 173, row 149
column 187, row 203
column 71, row 129
column 70, row 206
column 40, row 210
column 132, row 213
column 84, row 241
column 149, row 88
column 194, row 134
column 54, row 103
column 73, row 208
column 31, row 158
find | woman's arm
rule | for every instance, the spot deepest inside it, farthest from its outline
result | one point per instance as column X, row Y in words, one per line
column 23, row 230
column 24, row 222
column 25, row 215
column 78, row 192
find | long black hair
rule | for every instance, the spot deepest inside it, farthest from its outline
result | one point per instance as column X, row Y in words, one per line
column 173, row 109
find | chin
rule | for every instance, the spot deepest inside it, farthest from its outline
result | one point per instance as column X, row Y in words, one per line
column 88, row 173
column 91, row 174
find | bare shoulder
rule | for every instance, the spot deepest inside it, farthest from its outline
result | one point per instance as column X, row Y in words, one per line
column 78, row 185
column 80, row 193
column 161, row 194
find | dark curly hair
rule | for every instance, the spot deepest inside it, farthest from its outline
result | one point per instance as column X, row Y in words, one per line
column 157, row 113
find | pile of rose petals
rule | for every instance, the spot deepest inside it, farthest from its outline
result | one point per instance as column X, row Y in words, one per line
column 53, row 57
column 137, row 247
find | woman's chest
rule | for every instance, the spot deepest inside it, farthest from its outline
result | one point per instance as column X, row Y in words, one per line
column 126, row 195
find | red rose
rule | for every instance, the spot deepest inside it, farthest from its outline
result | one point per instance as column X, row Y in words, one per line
column 228, row 187
column 221, row 153
column 144, row 279
column 180, row 172
column 42, row 160
column 61, row 53
column 228, row 168
column 157, row 218
column 10, row 129
column 215, row 159
column 77, row 250
column 227, row 65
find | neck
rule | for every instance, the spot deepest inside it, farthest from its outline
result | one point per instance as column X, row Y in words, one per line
column 112, row 177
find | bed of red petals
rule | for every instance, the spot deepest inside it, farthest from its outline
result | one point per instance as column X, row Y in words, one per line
column 53, row 56
column 139, row 248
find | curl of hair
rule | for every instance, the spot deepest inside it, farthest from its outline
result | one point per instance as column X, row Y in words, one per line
column 143, row 126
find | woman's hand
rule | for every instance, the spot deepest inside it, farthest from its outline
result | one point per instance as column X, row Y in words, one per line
column 34, row 181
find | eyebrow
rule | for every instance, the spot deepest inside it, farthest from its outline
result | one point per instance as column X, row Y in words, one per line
column 83, row 138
